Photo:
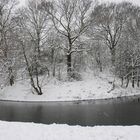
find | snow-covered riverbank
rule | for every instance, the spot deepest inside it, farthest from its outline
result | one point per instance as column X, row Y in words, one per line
column 31, row 131
column 91, row 88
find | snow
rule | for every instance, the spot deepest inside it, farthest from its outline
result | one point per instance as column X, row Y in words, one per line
column 31, row 131
column 96, row 87
column 90, row 88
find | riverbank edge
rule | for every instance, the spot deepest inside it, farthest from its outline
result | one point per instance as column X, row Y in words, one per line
column 74, row 100
column 64, row 131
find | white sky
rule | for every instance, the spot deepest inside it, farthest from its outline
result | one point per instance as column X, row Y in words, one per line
column 22, row 2
column 137, row 2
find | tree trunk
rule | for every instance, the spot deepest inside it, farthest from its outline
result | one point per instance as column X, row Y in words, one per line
column 100, row 65
column 133, row 82
column 113, row 53
column 69, row 68
column 133, row 79
column 38, row 43
column 37, row 88
column 127, row 83
column 53, row 59
column 53, row 70
column 138, row 78
column 39, row 91
column 11, row 80
column 122, row 81
column 59, row 73
column 138, row 83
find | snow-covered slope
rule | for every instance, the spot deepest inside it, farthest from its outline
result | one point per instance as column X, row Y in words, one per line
column 31, row 131
column 91, row 88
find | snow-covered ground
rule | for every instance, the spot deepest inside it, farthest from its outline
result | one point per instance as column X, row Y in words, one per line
column 31, row 131
column 91, row 88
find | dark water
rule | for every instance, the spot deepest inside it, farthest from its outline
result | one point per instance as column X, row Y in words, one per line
column 125, row 111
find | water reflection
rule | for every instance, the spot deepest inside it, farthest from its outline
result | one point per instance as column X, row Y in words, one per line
column 125, row 111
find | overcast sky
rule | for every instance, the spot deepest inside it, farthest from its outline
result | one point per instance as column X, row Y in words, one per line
column 133, row 1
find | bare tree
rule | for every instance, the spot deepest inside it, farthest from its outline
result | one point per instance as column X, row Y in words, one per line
column 36, row 24
column 7, row 46
column 7, row 8
column 128, row 60
column 70, row 19
column 31, row 36
column 54, row 51
column 30, row 59
column 108, row 22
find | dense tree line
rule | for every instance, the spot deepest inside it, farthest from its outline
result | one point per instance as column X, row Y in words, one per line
column 64, row 38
